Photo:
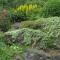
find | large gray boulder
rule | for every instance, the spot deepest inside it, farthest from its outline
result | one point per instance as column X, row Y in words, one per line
column 40, row 55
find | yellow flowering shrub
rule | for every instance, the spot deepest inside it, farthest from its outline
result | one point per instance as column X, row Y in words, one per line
column 26, row 7
column 24, row 12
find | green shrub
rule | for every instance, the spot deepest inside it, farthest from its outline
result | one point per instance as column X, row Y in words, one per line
column 51, row 8
column 1, row 36
column 4, row 20
column 46, row 37
column 4, row 25
column 13, row 52
column 30, row 37
column 43, row 24
column 18, row 17
column 2, row 44
column 26, row 35
column 25, row 12
column 11, row 3
column 37, row 24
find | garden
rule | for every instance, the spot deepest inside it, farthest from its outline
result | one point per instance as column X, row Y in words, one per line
column 29, row 29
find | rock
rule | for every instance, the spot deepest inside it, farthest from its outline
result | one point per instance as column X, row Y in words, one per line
column 40, row 55
column 56, row 57
column 18, row 57
column 36, row 56
column 30, row 55
column 16, row 25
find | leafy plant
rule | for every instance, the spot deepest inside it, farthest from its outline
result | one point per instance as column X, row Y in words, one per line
column 13, row 52
column 4, row 25
column 25, row 12
column 37, row 24
column 45, row 37
column 51, row 8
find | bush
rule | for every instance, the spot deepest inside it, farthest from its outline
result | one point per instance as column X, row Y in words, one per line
column 11, row 4
column 46, row 37
column 43, row 24
column 23, row 36
column 4, row 25
column 33, row 38
column 37, row 24
column 4, row 21
column 18, row 17
column 51, row 8
column 1, row 36
column 25, row 12
column 14, row 52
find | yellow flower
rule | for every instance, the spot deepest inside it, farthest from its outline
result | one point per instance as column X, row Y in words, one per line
column 19, row 8
column 26, row 8
column 35, row 6
column 30, row 7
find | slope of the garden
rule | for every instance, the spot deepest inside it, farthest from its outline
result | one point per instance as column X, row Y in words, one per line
column 39, row 39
